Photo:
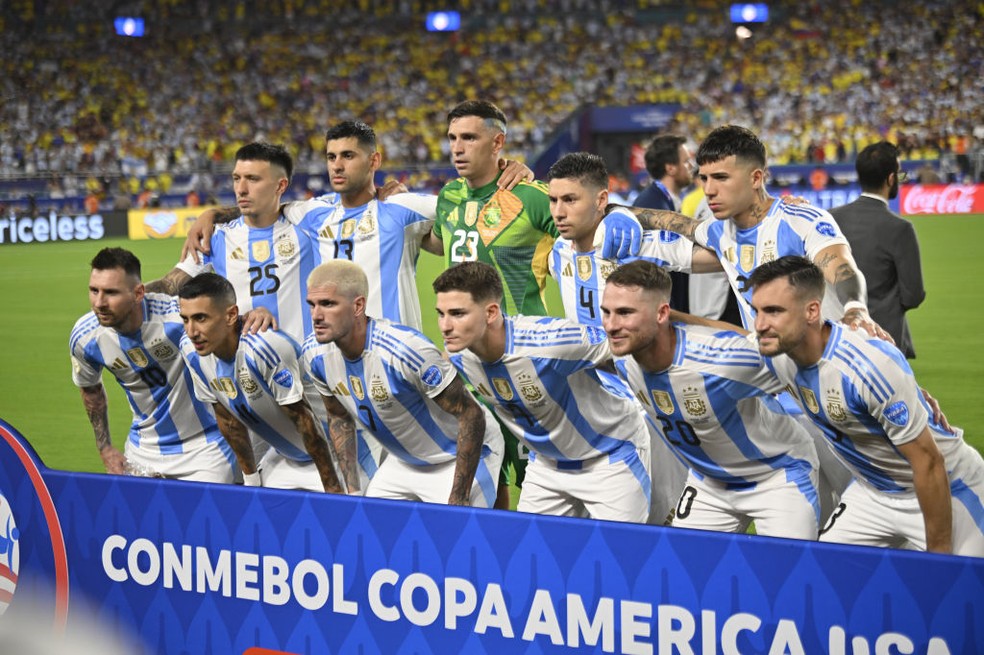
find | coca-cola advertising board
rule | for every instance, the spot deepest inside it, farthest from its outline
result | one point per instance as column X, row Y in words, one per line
column 941, row 199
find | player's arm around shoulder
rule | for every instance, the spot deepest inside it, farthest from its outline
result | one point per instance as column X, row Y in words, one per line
column 456, row 400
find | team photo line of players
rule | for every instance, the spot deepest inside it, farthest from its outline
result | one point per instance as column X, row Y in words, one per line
column 288, row 352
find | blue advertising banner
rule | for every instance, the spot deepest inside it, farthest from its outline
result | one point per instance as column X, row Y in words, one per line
column 197, row 568
column 632, row 118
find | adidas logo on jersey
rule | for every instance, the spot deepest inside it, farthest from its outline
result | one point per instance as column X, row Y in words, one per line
column 118, row 365
column 340, row 390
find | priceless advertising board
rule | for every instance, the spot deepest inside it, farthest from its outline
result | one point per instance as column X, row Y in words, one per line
column 199, row 568
column 61, row 227
column 161, row 223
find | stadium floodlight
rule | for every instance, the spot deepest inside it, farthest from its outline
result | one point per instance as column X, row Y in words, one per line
column 749, row 12
column 443, row 21
column 129, row 26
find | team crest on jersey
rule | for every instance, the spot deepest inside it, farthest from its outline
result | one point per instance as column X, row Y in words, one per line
column 584, row 267
column 503, row 388
column 226, row 386
column 693, row 402
column 471, row 213
column 747, row 257
column 355, row 384
column 367, row 224
column 810, row 400
column 162, row 350
column 769, row 252
column 286, row 248
column 606, row 268
column 348, row 228
column 531, row 392
column 9, row 554
column 491, row 214
column 835, row 406
column 137, row 356
column 663, row 401
column 238, row 254
column 260, row 250
column 377, row 391
column 247, row 382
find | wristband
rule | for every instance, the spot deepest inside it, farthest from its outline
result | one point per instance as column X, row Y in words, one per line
column 851, row 305
column 252, row 479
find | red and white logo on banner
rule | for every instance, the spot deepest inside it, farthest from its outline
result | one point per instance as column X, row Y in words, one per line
column 942, row 199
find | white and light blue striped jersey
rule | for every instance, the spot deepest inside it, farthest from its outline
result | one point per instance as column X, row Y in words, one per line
column 547, row 390
column 714, row 406
column 267, row 266
column 863, row 396
column 264, row 375
column 167, row 418
column 786, row 230
column 581, row 275
column 383, row 238
column 391, row 389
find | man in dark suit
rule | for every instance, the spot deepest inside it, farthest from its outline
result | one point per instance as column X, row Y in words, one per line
column 884, row 245
column 670, row 163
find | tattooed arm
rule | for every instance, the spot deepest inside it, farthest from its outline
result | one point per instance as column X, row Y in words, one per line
column 95, row 401
column 341, row 429
column 842, row 273
column 237, row 437
column 456, row 400
column 662, row 219
column 168, row 284
column 321, row 450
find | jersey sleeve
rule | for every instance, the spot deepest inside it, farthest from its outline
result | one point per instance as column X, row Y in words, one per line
column 895, row 401
column 85, row 373
column 193, row 268
column 434, row 374
column 536, row 204
column 313, row 366
column 822, row 233
column 277, row 361
column 702, row 235
column 667, row 249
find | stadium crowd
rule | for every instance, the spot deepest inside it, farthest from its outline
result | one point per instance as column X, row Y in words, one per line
column 818, row 82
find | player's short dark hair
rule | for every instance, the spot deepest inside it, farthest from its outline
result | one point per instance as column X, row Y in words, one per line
column 804, row 276
column 875, row 163
column 364, row 134
column 729, row 140
column 662, row 152
column 477, row 278
column 109, row 258
column 492, row 116
column 212, row 286
column 643, row 274
column 269, row 152
column 581, row 166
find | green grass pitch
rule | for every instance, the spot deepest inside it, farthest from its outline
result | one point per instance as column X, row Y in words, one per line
column 44, row 291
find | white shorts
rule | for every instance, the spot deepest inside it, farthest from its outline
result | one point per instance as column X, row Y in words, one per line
column 211, row 462
column 598, row 488
column 279, row 472
column 395, row 479
column 869, row 517
column 780, row 507
column 834, row 476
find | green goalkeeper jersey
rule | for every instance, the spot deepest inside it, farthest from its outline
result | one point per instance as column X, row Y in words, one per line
column 511, row 230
